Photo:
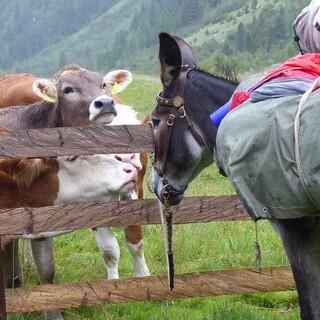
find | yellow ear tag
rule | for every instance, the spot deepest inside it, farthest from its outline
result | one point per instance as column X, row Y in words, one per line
column 116, row 88
column 49, row 99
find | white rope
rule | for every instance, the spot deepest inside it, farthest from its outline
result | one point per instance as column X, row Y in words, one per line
column 297, row 123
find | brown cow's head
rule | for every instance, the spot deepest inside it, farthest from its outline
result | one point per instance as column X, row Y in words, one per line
column 73, row 90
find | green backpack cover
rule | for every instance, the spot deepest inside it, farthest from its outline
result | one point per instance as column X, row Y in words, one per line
column 256, row 149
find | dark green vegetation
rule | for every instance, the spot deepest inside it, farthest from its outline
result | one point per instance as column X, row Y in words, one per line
column 41, row 36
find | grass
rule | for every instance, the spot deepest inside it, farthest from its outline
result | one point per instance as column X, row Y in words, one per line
column 197, row 247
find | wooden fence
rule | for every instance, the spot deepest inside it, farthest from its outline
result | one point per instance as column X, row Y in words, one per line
column 120, row 139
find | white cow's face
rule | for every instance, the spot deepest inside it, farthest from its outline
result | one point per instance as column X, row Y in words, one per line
column 94, row 178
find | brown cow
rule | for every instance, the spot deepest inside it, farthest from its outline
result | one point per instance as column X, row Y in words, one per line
column 16, row 90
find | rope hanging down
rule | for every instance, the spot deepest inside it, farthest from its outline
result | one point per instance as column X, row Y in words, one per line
column 167, row 239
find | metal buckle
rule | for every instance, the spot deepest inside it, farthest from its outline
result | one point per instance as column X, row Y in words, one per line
column 170, row 120
column 165, row 193
column 164, row 101
column 182, row 112
column 178, row 101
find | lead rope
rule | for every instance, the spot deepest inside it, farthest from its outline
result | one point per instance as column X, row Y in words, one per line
column 257, row 261
column 297, row 124
column 167, row 238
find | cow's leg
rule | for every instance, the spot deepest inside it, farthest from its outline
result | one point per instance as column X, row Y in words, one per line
column 42, row 251
column 12, row 266
column 134, row 237
column 301, row 240
column 109, row 249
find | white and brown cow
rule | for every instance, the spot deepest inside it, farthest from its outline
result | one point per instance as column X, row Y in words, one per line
column 49, row 181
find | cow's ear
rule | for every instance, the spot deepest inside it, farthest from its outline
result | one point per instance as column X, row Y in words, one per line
column 116, row 81
column 46, row 90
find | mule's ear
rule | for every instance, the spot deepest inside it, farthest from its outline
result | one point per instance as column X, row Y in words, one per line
column 170, row 58
column 46, row 90
column 116, row 81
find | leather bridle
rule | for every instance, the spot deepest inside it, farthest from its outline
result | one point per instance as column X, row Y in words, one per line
column 177, row 110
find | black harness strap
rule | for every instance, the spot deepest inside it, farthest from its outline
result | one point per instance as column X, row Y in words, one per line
column 297, row 40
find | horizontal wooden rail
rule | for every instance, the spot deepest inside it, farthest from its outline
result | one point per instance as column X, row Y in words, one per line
column 214, row 283
column 117, row 214
column 84, row 140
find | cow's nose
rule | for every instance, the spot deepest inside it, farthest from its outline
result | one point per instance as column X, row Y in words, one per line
column 128, row 169
column 132, row 158
column 130, row 172
column 104, row 108
column 102, row 103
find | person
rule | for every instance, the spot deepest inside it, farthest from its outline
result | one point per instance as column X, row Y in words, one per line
column 307, row 28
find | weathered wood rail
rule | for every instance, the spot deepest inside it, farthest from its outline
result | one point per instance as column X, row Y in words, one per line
column 119, row 139
column 117, row 214
column 214, row 283
column 68, row 141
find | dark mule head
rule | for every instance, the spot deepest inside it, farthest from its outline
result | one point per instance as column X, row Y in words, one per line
column 184, row 135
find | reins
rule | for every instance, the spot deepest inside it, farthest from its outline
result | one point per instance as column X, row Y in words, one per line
column 177, row 110
column 167, row 215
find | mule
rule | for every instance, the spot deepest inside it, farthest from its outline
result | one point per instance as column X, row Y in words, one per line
column 184, row 135
column 185, row 140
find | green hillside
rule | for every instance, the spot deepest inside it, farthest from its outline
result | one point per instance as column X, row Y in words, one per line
column 40, row 37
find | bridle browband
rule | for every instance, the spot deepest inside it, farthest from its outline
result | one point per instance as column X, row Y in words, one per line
column 177, row 109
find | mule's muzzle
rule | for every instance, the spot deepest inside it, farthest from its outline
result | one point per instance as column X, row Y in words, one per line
column 173, row 196
column 166, row 192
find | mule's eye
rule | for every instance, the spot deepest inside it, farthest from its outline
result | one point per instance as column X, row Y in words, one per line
column 67, row 90
column 104, row 86
column 155, row 122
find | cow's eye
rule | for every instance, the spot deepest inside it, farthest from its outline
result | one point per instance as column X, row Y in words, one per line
column 67, row 90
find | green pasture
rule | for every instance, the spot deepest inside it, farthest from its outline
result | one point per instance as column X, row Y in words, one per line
column 197, row 247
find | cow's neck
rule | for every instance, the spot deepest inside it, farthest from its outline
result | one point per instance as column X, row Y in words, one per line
column 42, row 191
column 38, row 115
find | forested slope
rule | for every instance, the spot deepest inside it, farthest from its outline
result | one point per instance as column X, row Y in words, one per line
column 41, row 36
